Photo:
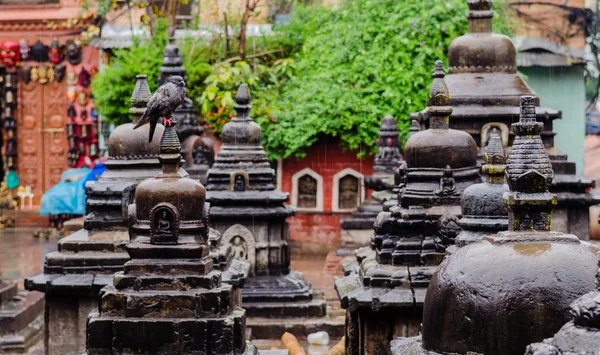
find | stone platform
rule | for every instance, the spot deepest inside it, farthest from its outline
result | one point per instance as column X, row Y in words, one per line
column 21, row 318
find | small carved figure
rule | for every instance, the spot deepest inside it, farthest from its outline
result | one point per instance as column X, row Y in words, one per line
column 239, row 183
column 239, row 248
column 163, row 226
column 447, row 183
column 73, row 49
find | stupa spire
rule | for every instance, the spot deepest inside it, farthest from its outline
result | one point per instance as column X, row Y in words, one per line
column 140, row 97
column 495, row 160
column 529, row 174
column 438, row 105
column 170, row 148
column 480, row 15
column 242, row 103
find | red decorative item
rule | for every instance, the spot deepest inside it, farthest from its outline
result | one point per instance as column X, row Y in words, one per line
column 10, row 52
column 55, row 53
column 389, row 140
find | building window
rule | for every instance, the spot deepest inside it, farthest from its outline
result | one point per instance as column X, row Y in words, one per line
column 348, row 191
column 307, row 190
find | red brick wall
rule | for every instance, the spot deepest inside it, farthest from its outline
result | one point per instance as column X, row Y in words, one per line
column 326, row 159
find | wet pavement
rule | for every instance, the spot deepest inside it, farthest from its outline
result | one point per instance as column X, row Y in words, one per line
column 22, row 255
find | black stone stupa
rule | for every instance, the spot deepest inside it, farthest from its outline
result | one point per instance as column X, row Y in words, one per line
column 170, row 298
column 251, row 216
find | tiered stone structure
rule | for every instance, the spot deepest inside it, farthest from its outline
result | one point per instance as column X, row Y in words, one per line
column 87, row 259
column 509, row 290
column 357, row 230
column 483, row 212
column 384, row 298
column 197, row 151
column 21, row 317
column 251, row 216
column 485, row 90
column 170, row 298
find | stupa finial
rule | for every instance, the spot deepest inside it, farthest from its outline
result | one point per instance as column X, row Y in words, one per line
column 242, row 102
column 495, row 160
column 480, row 15
column 140, row 97
column 529, row 174
column 439, row 105
column 170, row 148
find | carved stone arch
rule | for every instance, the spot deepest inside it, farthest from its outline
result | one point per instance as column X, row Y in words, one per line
column 239, row 233
column 296, row 182
column 504, row 132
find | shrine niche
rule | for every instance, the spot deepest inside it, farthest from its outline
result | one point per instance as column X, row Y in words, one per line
column 164, row 224
column 347, row 191
column 239, row 181
column 243, row 244
column 307, row 190
column 492, row 128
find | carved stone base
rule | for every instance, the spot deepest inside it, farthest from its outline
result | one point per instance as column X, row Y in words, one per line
column 19, row 312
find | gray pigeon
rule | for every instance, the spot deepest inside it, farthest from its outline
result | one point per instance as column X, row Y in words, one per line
column 165, row 100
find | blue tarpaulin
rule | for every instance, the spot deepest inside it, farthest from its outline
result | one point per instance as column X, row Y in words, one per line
column 68, row 196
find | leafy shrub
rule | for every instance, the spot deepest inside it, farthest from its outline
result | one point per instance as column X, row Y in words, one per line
column 358, row 63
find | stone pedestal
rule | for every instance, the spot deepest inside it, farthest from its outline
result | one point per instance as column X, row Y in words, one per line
column 170, row 298
column 251, row 217
column 21, row 318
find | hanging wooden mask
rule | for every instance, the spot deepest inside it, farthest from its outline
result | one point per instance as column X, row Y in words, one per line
column 93, row 149
column 35, row 74
column 55, row 53
column 43, row 73
column 71, row 112
column 59, row 72
column 24, row 49
column 9, row 98
column 82, row 148
column 70, row 131
column 71, row 93
column 8, row 80
column 94, row 114
column 26, row 74
column 83, row 98
column 84, row 78
column 71, row 78
column 10, row 53
column 73, row 52
column 84, row 131
column 71, row 142
column 83, row 114
column 39, row 52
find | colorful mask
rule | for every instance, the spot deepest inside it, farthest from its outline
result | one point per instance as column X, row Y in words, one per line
column 71, row 78
column 43, row 73
column 93, row 149
column 26, row 74
column 24, row 49
column 71, row 93
column 39, row 52
column 71, row 112
column 8, row 82
column 84, row 78
column 55, row 53
column 10, row 53
column 59, row 71
column 35, row 74
column 82, row 98
column 73, row 52
column 94, row 114
column 83, row 114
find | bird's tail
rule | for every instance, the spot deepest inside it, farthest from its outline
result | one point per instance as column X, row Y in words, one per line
column 140, row 122
column 152, row 129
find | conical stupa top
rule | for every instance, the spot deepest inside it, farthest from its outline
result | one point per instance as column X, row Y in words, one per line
column 170, row 148
column 172, row 64
column 242, row 103
column 140, row 97
column 414, row 127
column 495, row 160
column 528, row 152
column 438, row 105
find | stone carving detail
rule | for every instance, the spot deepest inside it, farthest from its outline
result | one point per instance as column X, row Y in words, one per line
column 243, row 244
column 447, row 184
column 307, row 192
column 492, row 128
column 239, row 183
column 164, row 224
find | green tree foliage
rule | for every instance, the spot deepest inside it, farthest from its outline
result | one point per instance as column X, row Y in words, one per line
column 112, row 88
column 366, row 59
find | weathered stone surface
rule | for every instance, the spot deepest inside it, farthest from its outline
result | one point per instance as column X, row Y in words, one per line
column 170, row 297
column 509, row 290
